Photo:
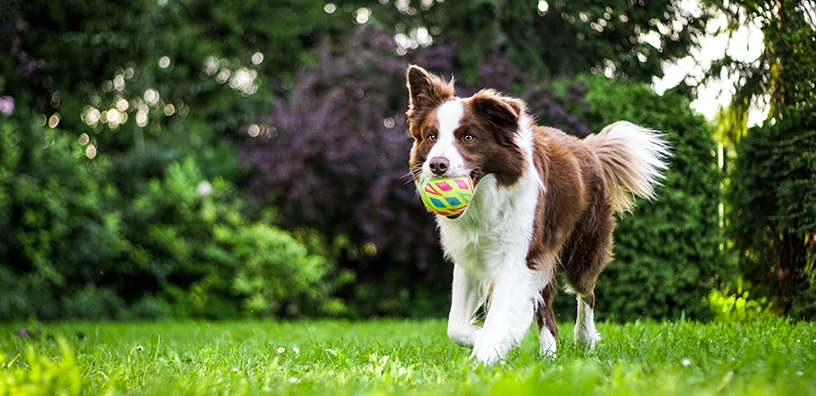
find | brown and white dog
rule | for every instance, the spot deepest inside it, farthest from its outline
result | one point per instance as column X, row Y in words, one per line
column 542, row 205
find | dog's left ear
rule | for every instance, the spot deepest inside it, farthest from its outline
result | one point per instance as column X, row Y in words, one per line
column 501, row 111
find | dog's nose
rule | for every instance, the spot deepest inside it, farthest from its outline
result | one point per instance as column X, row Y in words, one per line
column 439, row 165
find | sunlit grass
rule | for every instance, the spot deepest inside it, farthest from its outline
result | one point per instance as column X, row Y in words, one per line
column 401, row 357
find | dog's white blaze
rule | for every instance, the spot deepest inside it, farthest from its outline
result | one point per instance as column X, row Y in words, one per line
column 449, row 115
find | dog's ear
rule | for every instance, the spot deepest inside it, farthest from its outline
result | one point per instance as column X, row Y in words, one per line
column 497, row 109
column 426, row 90
column 501, row 111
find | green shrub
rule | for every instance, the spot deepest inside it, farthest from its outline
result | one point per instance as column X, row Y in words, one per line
column 57, row 236
column 278, row 270
column 737, row 306
column 81, row 242
column 772, row 216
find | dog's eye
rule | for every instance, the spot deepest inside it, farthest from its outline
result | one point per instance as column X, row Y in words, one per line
column 431, row 138
column 468, row 138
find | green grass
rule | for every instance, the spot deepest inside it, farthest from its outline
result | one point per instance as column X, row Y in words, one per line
column 401, row 357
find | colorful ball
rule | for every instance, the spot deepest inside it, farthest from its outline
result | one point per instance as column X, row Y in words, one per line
column 447, row 196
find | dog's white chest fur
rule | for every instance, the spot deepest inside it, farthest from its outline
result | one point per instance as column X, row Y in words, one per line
column 497, row 224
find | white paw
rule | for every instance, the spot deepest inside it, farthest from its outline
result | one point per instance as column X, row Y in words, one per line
column 489, row 351
column 588, row 338
column 547, row 343
column 463, row 335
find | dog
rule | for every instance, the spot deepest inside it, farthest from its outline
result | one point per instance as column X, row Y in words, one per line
column 542, row 206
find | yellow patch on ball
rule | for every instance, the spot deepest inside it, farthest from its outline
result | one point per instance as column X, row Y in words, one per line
column 447, row 196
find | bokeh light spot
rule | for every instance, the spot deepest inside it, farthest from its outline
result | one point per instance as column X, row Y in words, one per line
column 254, row 130
column 122, row 105
column 543, row 7
column 90, row 152
column 362, row 14
column 54, row 120
column 151, row 96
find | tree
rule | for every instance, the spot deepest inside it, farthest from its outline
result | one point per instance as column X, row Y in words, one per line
column 771, row 193
column 773, row 216
column 622, row 38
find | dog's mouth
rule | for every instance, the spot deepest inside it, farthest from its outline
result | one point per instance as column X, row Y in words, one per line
column 475, row 176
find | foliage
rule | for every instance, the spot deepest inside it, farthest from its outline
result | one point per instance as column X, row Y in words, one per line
column 770, row 357
column 770, row 196
column 136, row 208
column 786, row 68
column 668, row 252
column 334, row 158
column 41, row 376
column 773, row 212
column 181, row 245
column 207, row 57
column 54, row 231
column 553, row 38
column 730, row 306
column 277, row 269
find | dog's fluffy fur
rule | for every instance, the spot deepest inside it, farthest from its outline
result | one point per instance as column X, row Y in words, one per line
column 542, row 205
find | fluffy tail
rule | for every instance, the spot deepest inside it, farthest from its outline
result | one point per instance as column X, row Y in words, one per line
column 632, row 159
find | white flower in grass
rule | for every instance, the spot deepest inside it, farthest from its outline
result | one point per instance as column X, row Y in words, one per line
column 685, row 362
column 296, row 351
column 235, row 369
column 281, row 350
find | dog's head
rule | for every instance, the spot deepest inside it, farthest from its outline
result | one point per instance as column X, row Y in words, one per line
column 455, row 137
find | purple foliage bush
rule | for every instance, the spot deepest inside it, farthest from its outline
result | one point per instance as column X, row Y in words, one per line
column 333, row 157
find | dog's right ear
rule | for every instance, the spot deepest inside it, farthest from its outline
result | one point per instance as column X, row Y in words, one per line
column 426, row 90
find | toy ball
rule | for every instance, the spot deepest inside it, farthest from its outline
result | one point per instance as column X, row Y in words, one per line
column 447, row 196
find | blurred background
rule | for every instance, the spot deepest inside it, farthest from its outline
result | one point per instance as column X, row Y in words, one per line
column 172, row 159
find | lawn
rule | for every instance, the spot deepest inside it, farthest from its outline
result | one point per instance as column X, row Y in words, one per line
column 400, row 357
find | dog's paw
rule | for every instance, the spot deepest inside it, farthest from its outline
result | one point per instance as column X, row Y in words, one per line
column 488, row 351
column 588, row 339
column 547, row 344
column 464, row 336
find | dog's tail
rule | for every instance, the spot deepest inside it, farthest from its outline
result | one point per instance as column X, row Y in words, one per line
column 632, row 158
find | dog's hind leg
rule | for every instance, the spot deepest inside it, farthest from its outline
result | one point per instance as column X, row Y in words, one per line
column 545, row 319
column 590, row 255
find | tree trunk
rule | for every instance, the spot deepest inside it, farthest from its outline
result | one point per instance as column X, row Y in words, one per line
column 790, row 256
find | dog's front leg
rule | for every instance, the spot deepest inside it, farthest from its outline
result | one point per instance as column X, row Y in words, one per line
column 509, row 314
column 464, row 302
